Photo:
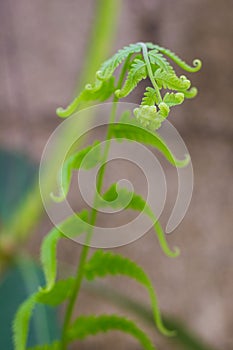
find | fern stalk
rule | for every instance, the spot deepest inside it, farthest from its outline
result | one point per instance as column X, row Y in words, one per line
column 85, row 250
column 150, row 73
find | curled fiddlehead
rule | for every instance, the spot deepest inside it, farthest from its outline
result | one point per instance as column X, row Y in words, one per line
column 151, row 62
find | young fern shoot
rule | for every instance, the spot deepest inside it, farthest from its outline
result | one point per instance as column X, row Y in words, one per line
column 140, row 61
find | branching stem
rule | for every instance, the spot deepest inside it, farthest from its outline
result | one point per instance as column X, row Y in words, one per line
column 150, row 73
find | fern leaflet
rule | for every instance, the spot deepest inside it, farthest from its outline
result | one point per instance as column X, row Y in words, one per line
column 91, row 325
column 102, row 264
column 137, row 72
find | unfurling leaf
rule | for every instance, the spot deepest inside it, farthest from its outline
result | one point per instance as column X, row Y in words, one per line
column 173, row 99
column 137, row 72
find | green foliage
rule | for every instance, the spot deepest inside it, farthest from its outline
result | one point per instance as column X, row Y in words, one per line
column 86, row 158
column 149, row 61
column 60, row 292
column 150, row 97
column 75, row 225
column 130, row 129
column 141, row 61
column 102, row 264
column 21, row 322
column 91, row 325
column 137, row 72
column 122, row 198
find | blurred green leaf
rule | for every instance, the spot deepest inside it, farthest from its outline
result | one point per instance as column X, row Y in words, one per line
column 17, row 284
column 17, row 175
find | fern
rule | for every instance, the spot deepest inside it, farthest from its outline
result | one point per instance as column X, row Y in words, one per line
column 150, row 97
column 91, row 325
column 102, row 264
column 122, row 198
column 48, row 256
column 196, row 63
column 87, row 158
column 109, row 66
column 21, row 322
column 140, row 61
column 60, row 292
column 133, row 131
column 172, row 99
column 160, row 61
column 101, row 91
column 137, row 72
column 171, row 81
column 76, row 225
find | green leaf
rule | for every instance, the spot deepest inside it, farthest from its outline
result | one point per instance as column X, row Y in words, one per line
column 86, row 158
column 196, row 63
column 91, row 325
column 102, row 264
column 21, row 322
column 122, row 198
column 137, row 72
column 48, row 256
column 172, row 99
column 159, row 60
column 100, row 91
column 171, row 81
column 150, row 97
column 133, row 131
column 58, row 294
column 163, row 110
column 72, row 226
column 17, row 175
column 108, row 67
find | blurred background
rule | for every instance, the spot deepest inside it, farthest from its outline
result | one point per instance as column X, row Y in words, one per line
column 42, row 53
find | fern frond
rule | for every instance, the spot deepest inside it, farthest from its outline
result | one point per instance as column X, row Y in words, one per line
column 136, row 202
column 171, row 81
column 92, row 156
column 149, row 117
column 173, row 99
column 100, row 91
column 102, row 264
column 190, row 93
column 85, row 326
column 133, row 131
column 159, row 60
column 150, row 97
column 21, row 322
column 137, row 72
column 48, row 256
column 109, row 66
column 60, row 292
column 196, row 63
column 72, row 226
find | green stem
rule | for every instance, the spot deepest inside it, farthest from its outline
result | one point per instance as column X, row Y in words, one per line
column 150, row 73
column 94, row 212
column 85, row 250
